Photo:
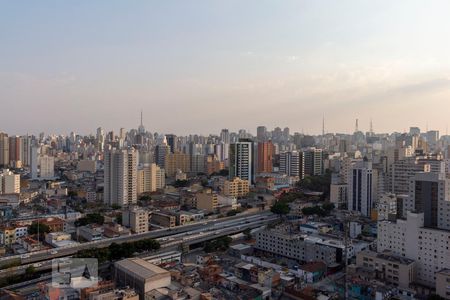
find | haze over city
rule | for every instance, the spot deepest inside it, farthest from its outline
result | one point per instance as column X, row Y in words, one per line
column 199, row 66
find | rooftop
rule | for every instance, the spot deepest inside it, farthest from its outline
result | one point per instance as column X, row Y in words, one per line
column 141, row 268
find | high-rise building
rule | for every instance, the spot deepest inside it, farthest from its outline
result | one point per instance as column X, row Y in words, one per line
column 177, row 161
column 265, row 157
column 4, row 149
column 261, row 133
column 172, row 142
column 46, row 167
column 291, row 163
column 9, row 182
column 161, row 152
column 225, row 136
column 242, row 160
column 15, row 151
column 360, row 187
column 313, row 161
column 409, row 238
column 430, row 194
column 120, row 177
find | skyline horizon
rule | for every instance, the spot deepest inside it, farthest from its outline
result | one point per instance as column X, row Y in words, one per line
column 193, row 65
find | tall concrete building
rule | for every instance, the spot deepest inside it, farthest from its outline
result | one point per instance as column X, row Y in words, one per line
column 150, row 178
column 225, row 136
column 313, row 161
column 177, row 161
column 46, row 167
column 430, row 194
column 15, row 151
column 9, row 182
column 360, row 187
column 161, row 152
column 409, row 238
column 172, row 142
column 242, row 161
column 265, row 157
column 261, row 134
column 291, row 163
column 4, row 149
column 120, row 168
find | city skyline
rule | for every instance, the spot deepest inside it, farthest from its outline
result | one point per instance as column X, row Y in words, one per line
column 231, row 64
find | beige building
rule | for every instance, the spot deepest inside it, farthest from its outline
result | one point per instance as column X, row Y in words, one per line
column 140, row 275
column 87, row 166
column 207, row 200
column 443, row 283
column 136, row 219
column 338, row 194
column 236, row 187
column 150, row 178
column 164, row 219
column 177, row 161
column 46, row 167
column 396, row 270
column 9, row 182
column 120, row 177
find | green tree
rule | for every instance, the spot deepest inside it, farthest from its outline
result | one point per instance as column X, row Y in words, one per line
column 280, row 208
column 36, row 227
column 247, row 233
column 29, row 271
column 115, row 206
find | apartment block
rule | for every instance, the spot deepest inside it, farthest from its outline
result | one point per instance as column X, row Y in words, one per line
column 236, row 187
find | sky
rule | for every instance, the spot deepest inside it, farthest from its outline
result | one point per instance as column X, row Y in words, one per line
column 199, row 66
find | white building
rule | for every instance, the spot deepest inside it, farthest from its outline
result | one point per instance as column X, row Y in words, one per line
column 120, row 177
column 409, row 238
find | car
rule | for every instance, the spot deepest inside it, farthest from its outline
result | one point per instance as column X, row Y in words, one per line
column 25, row 256
column 53, row 252
column 37, row 265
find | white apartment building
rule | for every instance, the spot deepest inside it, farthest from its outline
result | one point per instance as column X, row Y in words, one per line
column 429, row 247
column 120, row 177
column 302, row 247
column 9, row 182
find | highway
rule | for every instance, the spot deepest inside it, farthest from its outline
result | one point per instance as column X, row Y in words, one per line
column 168, row 238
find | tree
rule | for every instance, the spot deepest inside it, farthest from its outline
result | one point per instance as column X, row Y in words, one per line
column 94, row 218
column 29, row 271
column 115, row 206
column 247, row 233
column 36, row 227
column 280, row 208
column 72, row 194
column 181, row 183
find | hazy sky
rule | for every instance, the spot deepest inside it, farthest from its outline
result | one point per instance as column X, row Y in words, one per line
column 199, row 66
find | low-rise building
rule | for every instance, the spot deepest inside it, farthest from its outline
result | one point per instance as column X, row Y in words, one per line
column 443, row 283
column 236, row 187
column 207, row 201
column 90, row 233
column 163, row 219
column 59, row 239
column 140, row 275
column 136, row 219
column 393, row 269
